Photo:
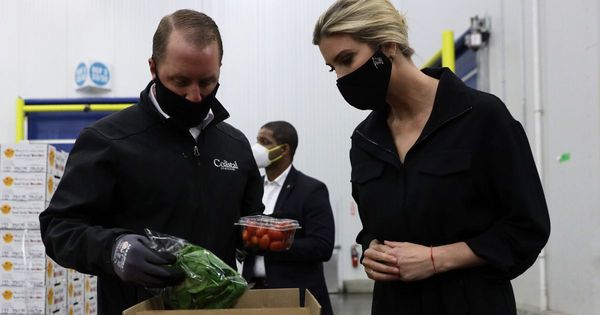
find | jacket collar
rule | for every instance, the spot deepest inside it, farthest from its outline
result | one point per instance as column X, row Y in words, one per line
column 451, row 101
column 219, row 111
column 288, row 185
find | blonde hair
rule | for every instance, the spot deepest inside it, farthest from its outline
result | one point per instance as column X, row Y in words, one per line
column 374, row 22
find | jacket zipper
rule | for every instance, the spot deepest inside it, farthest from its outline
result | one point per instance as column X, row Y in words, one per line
column 441, row 125
column 373, row 142
column 420, row 140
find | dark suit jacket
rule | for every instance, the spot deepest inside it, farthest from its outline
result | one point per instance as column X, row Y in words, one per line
column 305, row 199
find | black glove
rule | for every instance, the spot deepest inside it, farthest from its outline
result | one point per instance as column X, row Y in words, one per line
column 134, row 261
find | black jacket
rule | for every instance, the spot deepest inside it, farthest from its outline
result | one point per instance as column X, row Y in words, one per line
column 469, row 177
column 134, row 170
column 305, row 199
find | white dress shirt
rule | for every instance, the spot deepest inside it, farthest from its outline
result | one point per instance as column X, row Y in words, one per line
column 269, row 199
column 194, row 131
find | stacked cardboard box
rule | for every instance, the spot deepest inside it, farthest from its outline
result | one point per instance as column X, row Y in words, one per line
column 30, row 282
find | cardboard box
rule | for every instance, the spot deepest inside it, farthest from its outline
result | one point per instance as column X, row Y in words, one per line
column 253, row 302
column 21, row 244
column 22, row 300
column 20, row 214
column 56, row 299
column 28, row 158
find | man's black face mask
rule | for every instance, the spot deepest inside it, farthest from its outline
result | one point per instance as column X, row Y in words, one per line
column 181, row 111
column 366, row 87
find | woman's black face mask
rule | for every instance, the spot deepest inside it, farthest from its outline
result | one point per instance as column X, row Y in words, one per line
column 366, row 87
column 181, row 111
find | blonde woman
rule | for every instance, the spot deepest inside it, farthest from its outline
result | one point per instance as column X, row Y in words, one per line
column 450, row 201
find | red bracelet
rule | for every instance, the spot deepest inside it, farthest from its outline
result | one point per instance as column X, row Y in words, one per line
column 431, row 256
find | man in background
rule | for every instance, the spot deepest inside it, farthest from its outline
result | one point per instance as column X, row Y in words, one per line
column 290, row 194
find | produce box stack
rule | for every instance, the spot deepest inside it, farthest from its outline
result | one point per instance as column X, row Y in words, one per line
column 30, row 283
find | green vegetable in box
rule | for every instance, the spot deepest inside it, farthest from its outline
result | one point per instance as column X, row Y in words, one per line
column 209, row 283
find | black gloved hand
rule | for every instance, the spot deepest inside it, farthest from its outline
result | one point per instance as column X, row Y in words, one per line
column 134, row 261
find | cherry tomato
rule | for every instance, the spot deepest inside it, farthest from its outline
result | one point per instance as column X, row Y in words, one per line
column 275, row 235
column 264, row 242
column 276, row 246
column 251, row 230
column 260, row 232
column 245, row 235
column 254, row 240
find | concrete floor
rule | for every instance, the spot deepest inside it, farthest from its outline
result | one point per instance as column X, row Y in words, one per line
column 351, row 303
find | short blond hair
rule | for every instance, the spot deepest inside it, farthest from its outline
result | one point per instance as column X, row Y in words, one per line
column 374, row 22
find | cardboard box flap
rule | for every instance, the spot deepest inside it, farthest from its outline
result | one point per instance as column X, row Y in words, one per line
column 253, row 302
column 155, row 303
column 269, row 298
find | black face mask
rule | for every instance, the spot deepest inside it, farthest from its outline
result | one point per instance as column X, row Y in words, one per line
column 366, row 87
column 181, row 111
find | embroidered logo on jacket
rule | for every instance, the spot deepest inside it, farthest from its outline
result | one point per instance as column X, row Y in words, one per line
column 225, row 165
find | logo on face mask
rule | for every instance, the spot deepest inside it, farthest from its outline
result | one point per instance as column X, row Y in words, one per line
column 377, row 61
column 225, row 165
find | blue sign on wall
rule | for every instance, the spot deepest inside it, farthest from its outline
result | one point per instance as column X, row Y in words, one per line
column 80, row 74
column 99, row 73
column 93, row 76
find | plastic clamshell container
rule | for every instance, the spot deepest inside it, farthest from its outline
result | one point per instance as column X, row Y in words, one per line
column 268, row 233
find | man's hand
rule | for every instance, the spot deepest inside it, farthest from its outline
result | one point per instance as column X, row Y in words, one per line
column 134, row 261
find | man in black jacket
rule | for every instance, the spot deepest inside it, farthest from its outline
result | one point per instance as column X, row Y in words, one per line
column 293, row 195
column 168, row 163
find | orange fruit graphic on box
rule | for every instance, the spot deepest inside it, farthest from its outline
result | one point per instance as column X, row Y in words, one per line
column 7, row 265
column 49, row 269
column 7, row 294
column 8, row 181
column 70, row 290
column 8, row 237
column 51, row 157
column 9, row 152
column 50, row 185
column 5, row 208
column 50, row 296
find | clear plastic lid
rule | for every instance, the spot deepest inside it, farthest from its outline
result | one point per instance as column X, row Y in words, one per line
column 264, row 221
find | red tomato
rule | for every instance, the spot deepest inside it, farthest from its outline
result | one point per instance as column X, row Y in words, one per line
column 276, row 246
column 251, row 230
column 254, row 240
column 264, row 242
column 275, row 235
column 260, row 232
column 245, row 235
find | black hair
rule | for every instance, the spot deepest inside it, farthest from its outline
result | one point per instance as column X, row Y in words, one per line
column 284, row 133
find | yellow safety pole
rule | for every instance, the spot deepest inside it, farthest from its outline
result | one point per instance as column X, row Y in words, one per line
column 20, row 132
column 433, row 60
column 448, row 57
column 74, row 107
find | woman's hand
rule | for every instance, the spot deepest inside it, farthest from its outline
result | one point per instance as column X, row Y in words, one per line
column 413, row 261
column 379, row 264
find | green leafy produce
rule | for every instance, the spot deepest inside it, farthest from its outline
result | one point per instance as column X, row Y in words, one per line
column 210, row 283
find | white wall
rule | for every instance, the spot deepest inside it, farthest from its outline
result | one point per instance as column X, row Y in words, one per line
column 571, row 82
column 272, row 71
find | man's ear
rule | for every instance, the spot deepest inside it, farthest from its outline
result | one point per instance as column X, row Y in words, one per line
column 152, row 65
column 286, row 149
